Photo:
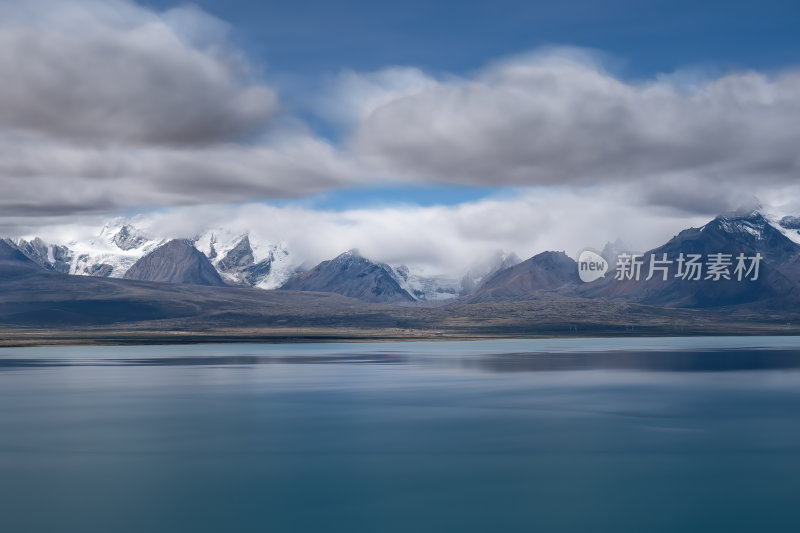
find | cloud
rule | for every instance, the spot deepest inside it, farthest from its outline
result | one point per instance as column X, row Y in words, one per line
column 433, row 239
column 559, row 118
column 352, row 96
column 112, row 71
column 108, row 106
column 39, row 174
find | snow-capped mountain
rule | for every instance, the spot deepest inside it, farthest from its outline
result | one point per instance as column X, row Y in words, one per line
column 50, row 256
column 426, row 288
column 441, row 287
column 244, row 259
column 748, row 234
column 111, row 253
column 239, row 258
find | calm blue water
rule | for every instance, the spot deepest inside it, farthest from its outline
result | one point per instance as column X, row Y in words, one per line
column 634, row 435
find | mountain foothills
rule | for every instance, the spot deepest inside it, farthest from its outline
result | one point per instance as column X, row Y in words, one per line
column 215, row 280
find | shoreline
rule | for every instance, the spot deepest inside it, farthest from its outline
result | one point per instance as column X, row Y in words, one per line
column 39, row 338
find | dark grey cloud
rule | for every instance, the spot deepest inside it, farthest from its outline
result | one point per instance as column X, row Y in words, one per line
column 112, row 71
column 702, row 195
column 53, row 175
column 107, row 105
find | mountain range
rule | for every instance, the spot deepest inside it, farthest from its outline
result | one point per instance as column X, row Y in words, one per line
column 240, row 259
column 777, row 285
column 39, row 306
column 222, row 258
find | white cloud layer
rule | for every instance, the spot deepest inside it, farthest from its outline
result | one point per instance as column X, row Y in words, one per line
column 434, row 240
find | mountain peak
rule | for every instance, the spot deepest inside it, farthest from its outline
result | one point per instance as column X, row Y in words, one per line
column 752, row 223
column 238, row 257
column 545, row 271
column 348, row 258
column 177, row 261
column 10, row 252
column 128, row 238
column 747, row 233
column 350, row 274
column 13, row 262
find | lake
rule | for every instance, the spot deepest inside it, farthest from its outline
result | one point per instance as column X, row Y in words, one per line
column 551, row 435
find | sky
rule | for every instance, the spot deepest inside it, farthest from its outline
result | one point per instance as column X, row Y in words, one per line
column 418, row 132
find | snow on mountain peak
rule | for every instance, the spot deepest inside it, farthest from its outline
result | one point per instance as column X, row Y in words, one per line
column 426, row 288
column 114, row 249
column 788, row 225
column 753, row 223
column 244, row 258
column 128, row 238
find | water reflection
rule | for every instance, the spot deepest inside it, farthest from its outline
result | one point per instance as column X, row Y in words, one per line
column 669, row 360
